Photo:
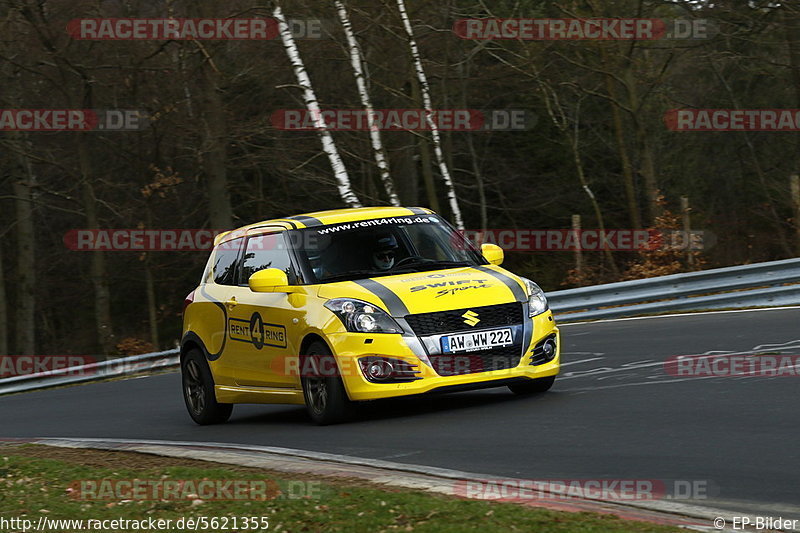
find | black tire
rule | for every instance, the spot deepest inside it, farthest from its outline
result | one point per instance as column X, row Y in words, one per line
column 533, row 386
column 325, row 395
column 198, row 391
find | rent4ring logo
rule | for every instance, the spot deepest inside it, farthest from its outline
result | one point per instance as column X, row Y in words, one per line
column 257, row 332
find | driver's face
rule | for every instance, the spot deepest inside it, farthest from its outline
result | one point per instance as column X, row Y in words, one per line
column 383, row 259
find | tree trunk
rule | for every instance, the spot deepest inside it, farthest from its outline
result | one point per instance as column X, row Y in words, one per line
column 102, row 296
column 152, row 301
column 366, row 103
column 601, row 225
column 622, row 150
column 424, row 154
column 213, row 152
column 312, row 104
column 647, row 166
column 3, row 309
column 426, row 100
column 26, row 262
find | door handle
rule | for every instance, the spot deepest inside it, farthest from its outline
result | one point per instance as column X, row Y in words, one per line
column 230, row 304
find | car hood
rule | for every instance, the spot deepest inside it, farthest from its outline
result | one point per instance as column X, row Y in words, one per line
column 432, row 291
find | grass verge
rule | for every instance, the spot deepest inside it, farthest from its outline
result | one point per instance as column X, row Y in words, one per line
column 38, row 481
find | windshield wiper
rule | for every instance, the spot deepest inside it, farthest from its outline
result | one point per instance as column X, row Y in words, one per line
column 351, row 275
column 451, row 263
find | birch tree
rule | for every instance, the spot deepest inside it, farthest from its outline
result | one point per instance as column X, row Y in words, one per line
column 312, row 104
column 426, row 102
column 366, row 102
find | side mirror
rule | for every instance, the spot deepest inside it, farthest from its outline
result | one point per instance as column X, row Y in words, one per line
column 269, row 280
column 492, row 253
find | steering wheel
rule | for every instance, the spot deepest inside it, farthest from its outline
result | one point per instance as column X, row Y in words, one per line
column 408, row 259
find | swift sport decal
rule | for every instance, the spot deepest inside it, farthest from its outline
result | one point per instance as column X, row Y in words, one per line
column 431, row 276
column 256, row 332
column 452, row 287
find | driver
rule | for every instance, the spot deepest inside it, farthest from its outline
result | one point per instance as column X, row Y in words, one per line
column 384, row 252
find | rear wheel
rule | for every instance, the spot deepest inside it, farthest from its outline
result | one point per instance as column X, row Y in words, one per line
column 325, row 395
column 533, row 386
column 198, row 391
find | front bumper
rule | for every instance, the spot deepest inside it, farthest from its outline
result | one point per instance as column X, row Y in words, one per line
column 350, row 347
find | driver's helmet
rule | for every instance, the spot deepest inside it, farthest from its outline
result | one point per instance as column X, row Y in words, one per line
column 383, row 252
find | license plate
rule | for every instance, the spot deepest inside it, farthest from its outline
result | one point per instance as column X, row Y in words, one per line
column 479, row 340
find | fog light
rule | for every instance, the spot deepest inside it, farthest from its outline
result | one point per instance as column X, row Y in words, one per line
column 549, row 349
column 545, row 351
column 380, row 370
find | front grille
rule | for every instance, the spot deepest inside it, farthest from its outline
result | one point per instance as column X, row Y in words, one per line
column 425, row 324
column 454, row 364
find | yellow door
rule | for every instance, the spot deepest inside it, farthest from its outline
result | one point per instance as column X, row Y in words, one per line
column 262, row 327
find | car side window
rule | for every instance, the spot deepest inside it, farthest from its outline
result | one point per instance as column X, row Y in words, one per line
column 267, row 251
column 226, row 262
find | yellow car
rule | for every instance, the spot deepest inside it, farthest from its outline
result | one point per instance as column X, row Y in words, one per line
column 337, row 307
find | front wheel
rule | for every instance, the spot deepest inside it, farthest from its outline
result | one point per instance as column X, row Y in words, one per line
column 533, row 386
column 198, row 391
column 325, row 395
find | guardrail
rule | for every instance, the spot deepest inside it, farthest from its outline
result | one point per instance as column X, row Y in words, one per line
column 123, row 366
column 774, row 283
column 757, row 285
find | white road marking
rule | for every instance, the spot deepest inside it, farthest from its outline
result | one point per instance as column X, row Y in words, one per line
column 674, row 315
column 578, row 362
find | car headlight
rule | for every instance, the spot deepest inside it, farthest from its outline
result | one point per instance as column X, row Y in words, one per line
column 362, row 317
column 537, row 302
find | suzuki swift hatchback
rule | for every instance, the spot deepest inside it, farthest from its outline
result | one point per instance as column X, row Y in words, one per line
column 337, row 307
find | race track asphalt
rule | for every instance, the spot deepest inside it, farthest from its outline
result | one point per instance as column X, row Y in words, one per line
column 614, row 413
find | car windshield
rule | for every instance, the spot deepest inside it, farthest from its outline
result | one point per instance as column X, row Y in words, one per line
column 381, row 247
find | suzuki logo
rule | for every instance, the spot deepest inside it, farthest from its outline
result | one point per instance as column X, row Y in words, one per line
column 471, row 318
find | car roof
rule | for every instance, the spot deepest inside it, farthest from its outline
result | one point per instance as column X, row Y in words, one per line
column 325, row 218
